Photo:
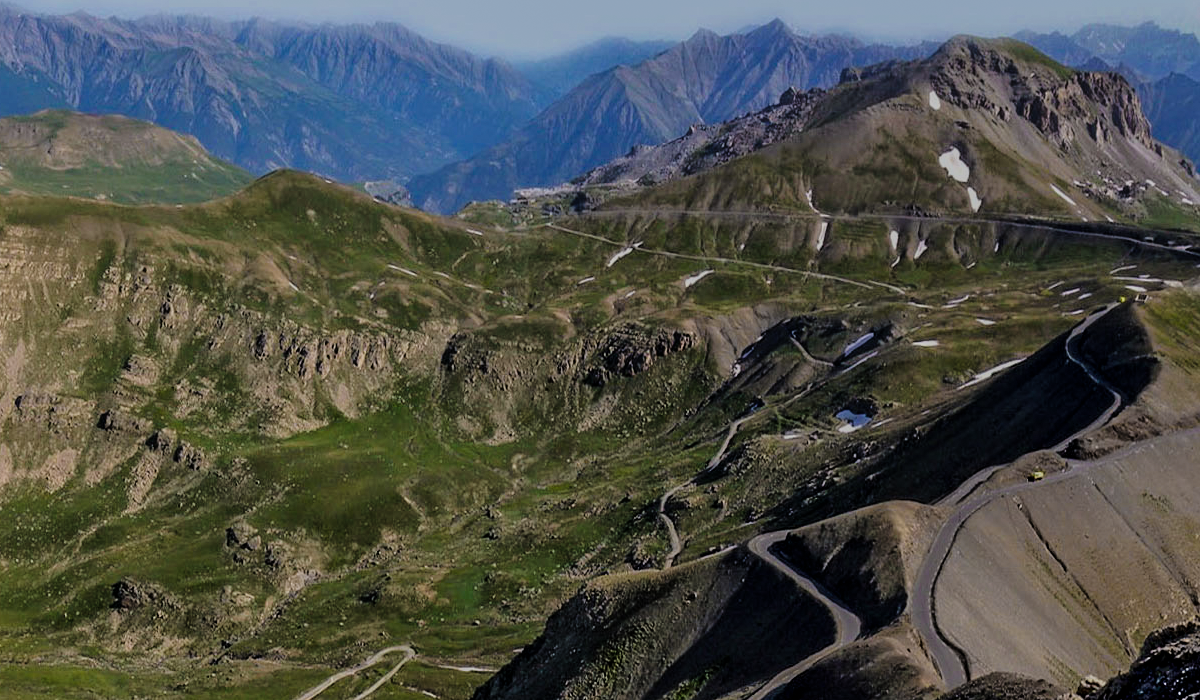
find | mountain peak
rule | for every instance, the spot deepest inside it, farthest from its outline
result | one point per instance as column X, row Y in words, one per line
column 1021, row 124
column 966, row 52
column 775, row 26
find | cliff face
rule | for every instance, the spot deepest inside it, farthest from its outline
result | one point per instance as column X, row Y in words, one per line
column 1057, row 102
column 1168, row 668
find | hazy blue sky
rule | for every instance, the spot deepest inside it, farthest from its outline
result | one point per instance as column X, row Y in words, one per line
column 523, row 28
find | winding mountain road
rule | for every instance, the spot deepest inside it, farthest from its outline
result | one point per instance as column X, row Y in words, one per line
column 1012, row 219
column 848, row 625
column 951, row 662
column 409, row 655
column 726, row 261
column 672, row 533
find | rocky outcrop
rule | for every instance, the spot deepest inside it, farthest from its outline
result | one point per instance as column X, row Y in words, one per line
column 130, row 594
column 242, row 540
column 389, row 192
column 1168, row 668
column 630, row 350
column 1055, row 102
column 502, row 379
column 54, row 413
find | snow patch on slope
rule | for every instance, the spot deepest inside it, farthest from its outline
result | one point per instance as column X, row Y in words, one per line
column 689, row 281
column 952, row 161
column 857, row 344
column 984, row 376
column 622, row 253
column 1062, row 194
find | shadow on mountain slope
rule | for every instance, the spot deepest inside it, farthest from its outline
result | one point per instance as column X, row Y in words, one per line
column 710, row 626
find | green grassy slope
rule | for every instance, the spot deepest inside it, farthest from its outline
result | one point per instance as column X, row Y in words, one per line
column 111, row 158
column 303, row 426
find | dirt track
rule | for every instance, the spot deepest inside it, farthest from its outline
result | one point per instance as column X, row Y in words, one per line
column 409, row 655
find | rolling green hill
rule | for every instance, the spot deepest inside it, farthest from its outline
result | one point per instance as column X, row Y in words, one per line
column 109, row 158
column 249, row 442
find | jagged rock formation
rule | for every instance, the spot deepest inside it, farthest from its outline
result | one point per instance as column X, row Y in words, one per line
column 1163, row 64
column 989, row 125
column 1168, row 668
column 706, row 146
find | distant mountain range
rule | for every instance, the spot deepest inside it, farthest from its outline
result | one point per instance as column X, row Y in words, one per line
column 1173, row 106
column 555, row 76
column 1152, row 51
column 352, row 102
column 708, row 78
column 381, row 103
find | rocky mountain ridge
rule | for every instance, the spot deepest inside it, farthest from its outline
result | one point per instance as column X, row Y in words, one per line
column 706, row 79
column 990, row 125
column 1163, row 65
column 706, row 146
